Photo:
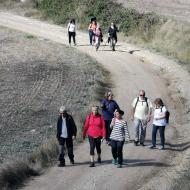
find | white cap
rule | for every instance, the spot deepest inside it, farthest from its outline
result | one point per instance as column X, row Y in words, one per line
column 62, row 109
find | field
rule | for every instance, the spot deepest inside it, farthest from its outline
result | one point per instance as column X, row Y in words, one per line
column 37, row 77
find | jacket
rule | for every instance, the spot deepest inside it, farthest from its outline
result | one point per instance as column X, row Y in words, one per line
column 113, row 32
column 71, row 127
column 108, row 108
column 94, row 126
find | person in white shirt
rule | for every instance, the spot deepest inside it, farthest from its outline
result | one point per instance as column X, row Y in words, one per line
column 141, row 115
column 72, row 31
column 66, row 132
column 159, row 123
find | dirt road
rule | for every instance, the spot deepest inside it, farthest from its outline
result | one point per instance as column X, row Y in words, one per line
column 129, row 74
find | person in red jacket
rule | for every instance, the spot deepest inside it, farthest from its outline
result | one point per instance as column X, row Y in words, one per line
column 94, row 127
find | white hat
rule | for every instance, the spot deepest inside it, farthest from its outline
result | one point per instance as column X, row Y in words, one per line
column 62, row 109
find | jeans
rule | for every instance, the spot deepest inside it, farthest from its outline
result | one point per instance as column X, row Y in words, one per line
column 91, row 36
column 162, row 134
column 72, row 34
column 140, row 126
column 117, row 150
column 69, row 145
column 95, row 143
column 108, row 129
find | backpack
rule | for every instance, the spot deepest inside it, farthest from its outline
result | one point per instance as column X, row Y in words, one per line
column 146, row 100
column 167, row 116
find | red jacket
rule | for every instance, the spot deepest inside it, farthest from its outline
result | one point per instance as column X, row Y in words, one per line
column 94, row 126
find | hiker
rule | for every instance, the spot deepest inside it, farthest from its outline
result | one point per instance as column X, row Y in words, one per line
column 141, row 115
column 91, row 29
column 94, row 127
column 108, row 106
column 118, row 136
column 72, row 31
column 159, row 123
column 98, row 37
column 66, row 132
column 112, row 32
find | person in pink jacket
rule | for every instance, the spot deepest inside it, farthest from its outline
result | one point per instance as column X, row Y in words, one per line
column 94, row 127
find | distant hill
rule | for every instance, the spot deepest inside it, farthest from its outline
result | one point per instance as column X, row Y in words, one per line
column 180, row 9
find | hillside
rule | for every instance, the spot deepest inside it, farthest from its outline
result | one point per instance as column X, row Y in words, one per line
column 179, row 9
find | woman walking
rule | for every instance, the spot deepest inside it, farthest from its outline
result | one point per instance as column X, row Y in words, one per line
column 72, row 31
column 118, row 136
column 159, row 123
column 95, row 128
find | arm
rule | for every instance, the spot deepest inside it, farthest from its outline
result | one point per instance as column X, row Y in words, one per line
column 112, row 123
column 86, row 126
column 73, row 126
column 58, row 129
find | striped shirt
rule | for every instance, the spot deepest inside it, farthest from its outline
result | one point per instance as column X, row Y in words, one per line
column 120, row 130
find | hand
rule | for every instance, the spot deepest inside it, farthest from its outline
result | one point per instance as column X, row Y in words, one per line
column 132, row 119
column 74, row 137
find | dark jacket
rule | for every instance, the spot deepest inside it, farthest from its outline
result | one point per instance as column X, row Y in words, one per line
column 108, row 108
column 71, row 127
column 113, row 32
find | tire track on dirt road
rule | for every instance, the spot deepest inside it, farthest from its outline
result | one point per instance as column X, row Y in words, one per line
column 129, row 75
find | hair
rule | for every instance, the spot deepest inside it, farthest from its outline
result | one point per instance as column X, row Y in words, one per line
column 142, row 92
column 121, row 112
column 158, row 101
column 108, row 93
column 72, row 21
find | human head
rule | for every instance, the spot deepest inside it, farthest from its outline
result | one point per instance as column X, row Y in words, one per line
column 63, row 111
column 158, row 102
column 142, row 94
column 109, row 95
column 72, row 21
column 119, row 113
column 112, row 24
column 95, row 110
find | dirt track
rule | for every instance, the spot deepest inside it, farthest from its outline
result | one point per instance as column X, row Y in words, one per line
column 129, row 74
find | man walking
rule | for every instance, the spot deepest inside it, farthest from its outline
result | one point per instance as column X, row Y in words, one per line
column 66, row 132
column 141, row 115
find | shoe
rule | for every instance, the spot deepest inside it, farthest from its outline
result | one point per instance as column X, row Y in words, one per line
column 75, row 44
column 136, row 143
column 142, row 144
column 114, row 161
column 61, row 164
column 161, row 148
column 151, row 146
column 119, row 166
column 72, row 162
column 92, row 164
column 99, row 160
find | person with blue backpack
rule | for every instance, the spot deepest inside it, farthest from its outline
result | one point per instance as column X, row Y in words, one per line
column 108, row 106
column 160, row 120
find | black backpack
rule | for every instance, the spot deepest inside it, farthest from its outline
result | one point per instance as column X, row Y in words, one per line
column 167, row 115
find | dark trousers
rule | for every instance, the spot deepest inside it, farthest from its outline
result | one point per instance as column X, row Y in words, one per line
column 91, row 36
column 69, row 145
column 162, row 134
column 117, row 150
column 95, row 143
column 72, row 34
column 108, row 129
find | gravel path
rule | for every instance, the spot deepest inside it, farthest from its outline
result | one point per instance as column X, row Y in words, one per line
column 129, row 74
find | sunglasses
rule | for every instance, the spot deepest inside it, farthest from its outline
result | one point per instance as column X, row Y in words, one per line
column 142, row 95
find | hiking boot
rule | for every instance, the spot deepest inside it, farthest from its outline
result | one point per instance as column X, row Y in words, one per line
column 142, row 144
column 136, row 143
column 119, row 166
column 152, row 146
column 61, row 164
column 99, row 160
column 114, row 161
column 92, row 164
column 161, row 148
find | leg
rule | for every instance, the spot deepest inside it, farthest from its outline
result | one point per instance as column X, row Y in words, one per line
column 92, row 147
column 108, row 130
column 70, row 37
column 120, row 152
column 74, row 41
column 69, row 144
column 162, row 135
column 154, row 132
column 90, row 36
column 136, row 129
column 114, row 149
column 143, row 133
column 98, row 148
column 61, row 152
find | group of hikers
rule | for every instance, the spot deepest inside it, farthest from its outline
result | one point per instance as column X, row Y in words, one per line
column 95, row 33
column 111, row 126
